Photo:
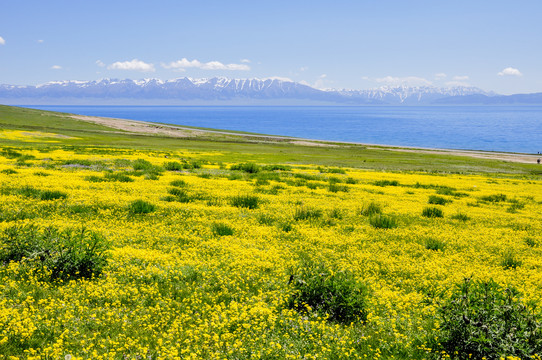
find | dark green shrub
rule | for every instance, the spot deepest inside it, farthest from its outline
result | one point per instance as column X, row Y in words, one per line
column 386, row 183
column 482, row 319
column 221, row 229
column 513, row 208
column 178, row 183
column 510, row 260
column 141, row 207
column 141, row 164
column 250, row 168
column 306, row 213
column 117, row 176
column 173, row 166
column 351, row 181
column 432, row 212
column 10, row 153
column 276, row 167
column 29, row 191
column 380, row 221
column 460, row 217
column 52, row 195
column 494, row 198
column 371, row 208
column 332, row 293
column 438, row 200
column 246, row 201
column 336, row 188
column 336, row 214
column 180, row 195
column 530, row 242
column 67, row 254
column 9, row 171
column 434, row 244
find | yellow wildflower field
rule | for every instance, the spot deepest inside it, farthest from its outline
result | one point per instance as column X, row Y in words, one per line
column 201, row 268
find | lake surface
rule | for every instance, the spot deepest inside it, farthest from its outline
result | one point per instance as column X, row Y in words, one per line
column 492, row 128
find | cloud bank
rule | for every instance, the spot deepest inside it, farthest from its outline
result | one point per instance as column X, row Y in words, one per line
column 135, row 64
column 510, row 71
column 2, row 41
column 184, row 63
column 56, row 67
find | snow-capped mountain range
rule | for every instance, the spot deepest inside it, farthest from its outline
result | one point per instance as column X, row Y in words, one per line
column 219, row 90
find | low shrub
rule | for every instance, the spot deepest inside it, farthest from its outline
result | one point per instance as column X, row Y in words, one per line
column 221, row 229
column 386, row 183
column 141, row 207
column 370, row 209
column 141, row 164
column 494, row 198
column 250, row 168
column 180, row 195
column 9, row 171
column 245, row 201
column 178, row 183
column 52, row 195
column 434, row 244
column 483, row 320
column 277, row 167
column 336, row 188
column 331, row 293
column 380, row 221
column 173, row 166
column 306, row 213
column 67, row 254
column 510, row 260
column 460, row 216
column 117, row 176
column 438, row 200
column 432, row 212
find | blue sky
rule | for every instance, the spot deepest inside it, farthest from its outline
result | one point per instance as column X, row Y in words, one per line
column 357, row 44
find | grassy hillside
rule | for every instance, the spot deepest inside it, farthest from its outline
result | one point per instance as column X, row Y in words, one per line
column 116, row 245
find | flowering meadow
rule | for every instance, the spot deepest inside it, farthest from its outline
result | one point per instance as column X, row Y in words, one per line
column 118, row 253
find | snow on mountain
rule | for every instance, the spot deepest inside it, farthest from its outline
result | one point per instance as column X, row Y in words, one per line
column 221, row 89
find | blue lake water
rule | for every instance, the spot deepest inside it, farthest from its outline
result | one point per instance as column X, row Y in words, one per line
column 492, row 128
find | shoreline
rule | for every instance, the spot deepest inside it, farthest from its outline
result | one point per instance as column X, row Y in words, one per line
column 180, row 131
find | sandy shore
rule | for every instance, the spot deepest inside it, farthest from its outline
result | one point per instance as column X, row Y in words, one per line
column 142, row 127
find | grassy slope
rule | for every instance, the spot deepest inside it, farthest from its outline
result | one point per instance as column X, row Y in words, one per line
column 242, row 148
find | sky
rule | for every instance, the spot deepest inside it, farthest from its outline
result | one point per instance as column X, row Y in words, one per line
column 358, row 44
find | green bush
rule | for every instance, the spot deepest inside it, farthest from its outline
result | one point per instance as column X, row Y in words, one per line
column 246, row 201
column 221, row 229
column 494, row 198
column 510, row 260
column 141, row 207
column 482, row 319
column 306, row 213
column 386, row 183
column 380, row 221
column 331, row 293
column 432, row 212
column 370, row 209
column 9, row 171
column 250, row 168
column 178, row 183
column 141, row 164
column 52, row 195
column 173, row 166
column 438, row 200
column 460, row 217
column 336, row 188
column 181, row 195
column 117, row 176
column 67, row 254
column 434, row 244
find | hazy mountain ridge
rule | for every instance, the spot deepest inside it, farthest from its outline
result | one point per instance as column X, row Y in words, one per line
column 221, row 89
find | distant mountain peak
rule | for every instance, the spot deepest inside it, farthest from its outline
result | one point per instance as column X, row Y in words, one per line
column 252, row 90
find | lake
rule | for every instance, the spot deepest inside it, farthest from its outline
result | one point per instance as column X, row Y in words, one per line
column 491, row 128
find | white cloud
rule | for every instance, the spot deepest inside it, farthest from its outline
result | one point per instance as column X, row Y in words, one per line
column 39, row 41
column 304, row 68
column 245, row 61
column 183, row 64
column 2, row 41
column 56, row 67
column 319, row 84
column 408, row 80
column 440, row 76
column 100, row 63
column 510, row 71
column 281, row 78
column 461, row 78
column 135, row 64
column 457, row 83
